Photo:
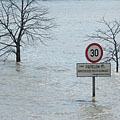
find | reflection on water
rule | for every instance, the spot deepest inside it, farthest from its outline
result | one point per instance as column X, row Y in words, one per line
column 18, row 67
column 98, row 112
column 44, row 85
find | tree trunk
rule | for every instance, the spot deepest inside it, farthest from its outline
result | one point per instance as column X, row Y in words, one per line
column 117, row 66
column 116, row 55
column 18, row 59
column 117, row 61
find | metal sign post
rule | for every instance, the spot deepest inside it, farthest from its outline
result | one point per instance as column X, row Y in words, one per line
column 93, row 54
column 93, row 82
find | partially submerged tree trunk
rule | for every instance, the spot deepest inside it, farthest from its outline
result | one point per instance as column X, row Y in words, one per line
column 18, row 59
column 117, row 61
column 116, row 54
column 117, row 66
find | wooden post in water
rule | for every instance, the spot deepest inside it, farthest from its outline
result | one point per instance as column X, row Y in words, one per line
column 93, row 85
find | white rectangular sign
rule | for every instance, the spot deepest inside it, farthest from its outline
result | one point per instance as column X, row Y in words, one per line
column 93, row 69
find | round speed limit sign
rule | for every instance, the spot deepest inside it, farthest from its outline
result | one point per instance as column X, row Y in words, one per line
column 94, row 53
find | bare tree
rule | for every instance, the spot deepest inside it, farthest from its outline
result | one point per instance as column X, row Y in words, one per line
column 110, row 39
column 22, row 22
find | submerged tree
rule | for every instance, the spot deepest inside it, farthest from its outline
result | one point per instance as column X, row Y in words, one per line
column 22, row 22
column 110, row 39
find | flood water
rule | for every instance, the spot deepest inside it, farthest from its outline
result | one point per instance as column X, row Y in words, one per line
column 44, row 85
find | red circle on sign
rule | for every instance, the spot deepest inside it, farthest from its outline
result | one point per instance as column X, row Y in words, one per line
column 86, row 52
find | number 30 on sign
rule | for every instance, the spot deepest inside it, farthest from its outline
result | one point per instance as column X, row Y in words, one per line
column 94, row 52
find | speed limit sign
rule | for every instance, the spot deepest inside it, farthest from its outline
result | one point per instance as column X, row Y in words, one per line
column 94, row 52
